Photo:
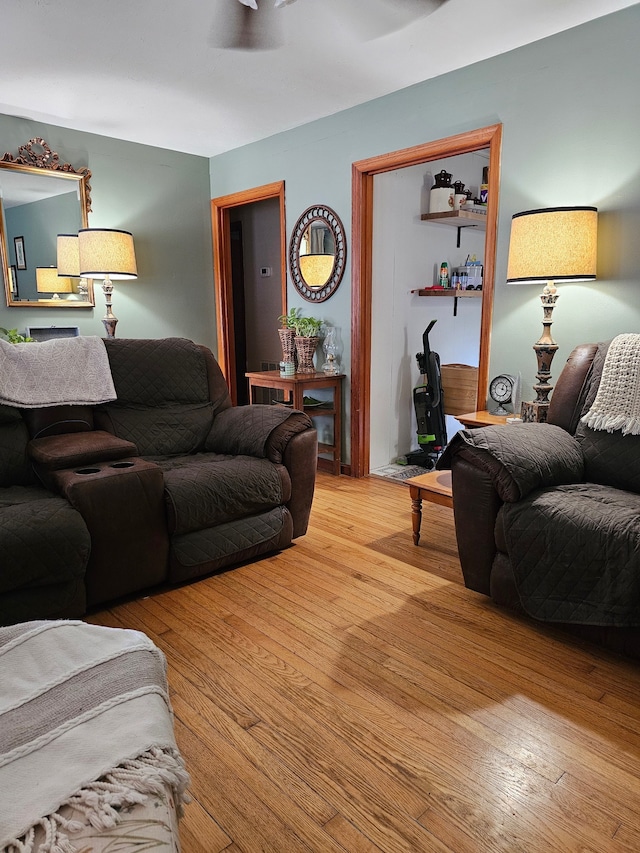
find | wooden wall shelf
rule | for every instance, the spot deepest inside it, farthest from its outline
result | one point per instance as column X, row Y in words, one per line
column 451, row 292
column 457, row 218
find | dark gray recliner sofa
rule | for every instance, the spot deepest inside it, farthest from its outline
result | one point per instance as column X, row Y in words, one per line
column 547, row 516
column 168, row 483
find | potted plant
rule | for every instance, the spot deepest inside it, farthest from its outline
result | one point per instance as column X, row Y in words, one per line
column 13, row 336
column 287, row 334
column 307, row 338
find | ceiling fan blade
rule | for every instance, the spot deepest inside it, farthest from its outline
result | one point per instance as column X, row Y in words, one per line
column 240, row 27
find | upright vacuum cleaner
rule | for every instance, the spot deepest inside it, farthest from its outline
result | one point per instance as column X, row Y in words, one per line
column 429, row 406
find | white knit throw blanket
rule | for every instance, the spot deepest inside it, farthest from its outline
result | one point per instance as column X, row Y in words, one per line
column 617, row 403
column 71, row 371
column 85, row 721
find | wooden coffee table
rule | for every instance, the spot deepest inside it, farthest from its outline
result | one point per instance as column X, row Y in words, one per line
column 435, row 487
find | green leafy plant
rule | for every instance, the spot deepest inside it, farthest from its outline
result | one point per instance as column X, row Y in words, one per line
column 14, row 337
column 287, row 321
column 307, row 327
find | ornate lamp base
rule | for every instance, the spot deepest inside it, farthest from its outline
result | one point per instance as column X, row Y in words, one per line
column 545, row 349
column 534, row 413
column 109, row 320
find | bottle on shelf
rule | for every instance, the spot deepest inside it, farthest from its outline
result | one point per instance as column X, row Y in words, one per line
column 443, row 280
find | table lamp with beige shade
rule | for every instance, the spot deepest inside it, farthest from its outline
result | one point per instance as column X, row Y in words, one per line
column 550, row 245
column 109, row 254
column 48, row 281
column 68, row 261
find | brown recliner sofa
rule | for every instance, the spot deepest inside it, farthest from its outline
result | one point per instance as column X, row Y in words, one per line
column 169, row 482
column 547, row 516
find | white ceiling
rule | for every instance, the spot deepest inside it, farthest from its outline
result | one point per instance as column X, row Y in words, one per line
column 147, row 71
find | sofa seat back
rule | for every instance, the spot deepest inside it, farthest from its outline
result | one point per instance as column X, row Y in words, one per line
column 169, row 392
column 593, row 527
column 15, row 467
column 610, row 458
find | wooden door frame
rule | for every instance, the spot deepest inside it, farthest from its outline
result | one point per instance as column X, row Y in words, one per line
column 362, row 174
column 220, row 219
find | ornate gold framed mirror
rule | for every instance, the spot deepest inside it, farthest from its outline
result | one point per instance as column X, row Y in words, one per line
column 41, row 197
column 317, row 253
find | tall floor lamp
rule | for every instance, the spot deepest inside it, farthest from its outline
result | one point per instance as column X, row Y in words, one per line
column 107, row 253
column 550, row 245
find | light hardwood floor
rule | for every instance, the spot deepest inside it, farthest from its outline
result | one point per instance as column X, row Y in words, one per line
column 349, row 694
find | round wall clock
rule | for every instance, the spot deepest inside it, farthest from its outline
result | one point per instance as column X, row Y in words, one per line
column 501, row 390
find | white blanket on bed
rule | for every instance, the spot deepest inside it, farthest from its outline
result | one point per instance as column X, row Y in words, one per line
column 80, row 702
column 617, row 403
column 72, row 371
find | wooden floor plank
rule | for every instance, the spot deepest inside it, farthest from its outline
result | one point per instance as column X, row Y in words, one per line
column 199, row 832
column 349, row 694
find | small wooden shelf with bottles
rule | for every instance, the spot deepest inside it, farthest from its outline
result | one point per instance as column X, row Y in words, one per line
column 456, row 292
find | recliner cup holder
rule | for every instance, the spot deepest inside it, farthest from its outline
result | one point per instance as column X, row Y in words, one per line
column 122, row 465
column 88, row 471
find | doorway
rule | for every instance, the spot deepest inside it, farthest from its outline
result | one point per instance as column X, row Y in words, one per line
column 250, row 287
column 363, row 173
column 408, row 256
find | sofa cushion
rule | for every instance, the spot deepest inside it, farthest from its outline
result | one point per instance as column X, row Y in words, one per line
column 43, row 540
column 208, row 489
column 159, row 430
column 74, row 450
column 575, row 552
column 204, row 551
column 610, row 458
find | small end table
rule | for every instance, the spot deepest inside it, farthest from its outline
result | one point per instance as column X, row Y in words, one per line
column 295, row 387
column 435, row 487
column 482, row 419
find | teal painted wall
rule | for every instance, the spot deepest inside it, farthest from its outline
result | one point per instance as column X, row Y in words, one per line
column 162, row 197
column 571, row 135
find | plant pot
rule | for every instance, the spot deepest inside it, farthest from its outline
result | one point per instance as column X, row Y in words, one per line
column 287, row 342
column 306, row 350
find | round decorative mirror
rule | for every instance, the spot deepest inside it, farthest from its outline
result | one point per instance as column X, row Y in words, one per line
column 317, row 253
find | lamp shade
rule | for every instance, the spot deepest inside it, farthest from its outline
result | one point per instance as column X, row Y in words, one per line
column 553, row 244
column 48, row 281
column 68, row 255
column 106, row 252
column 316, row 269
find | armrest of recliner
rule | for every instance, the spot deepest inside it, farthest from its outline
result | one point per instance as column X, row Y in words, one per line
column 518, row 458
column 282, row 435
column 257, row 430
column 73, row 450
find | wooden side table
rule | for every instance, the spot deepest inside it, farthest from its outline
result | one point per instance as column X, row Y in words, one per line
column 435, row 487
column 295, row 388
column 481, row 419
